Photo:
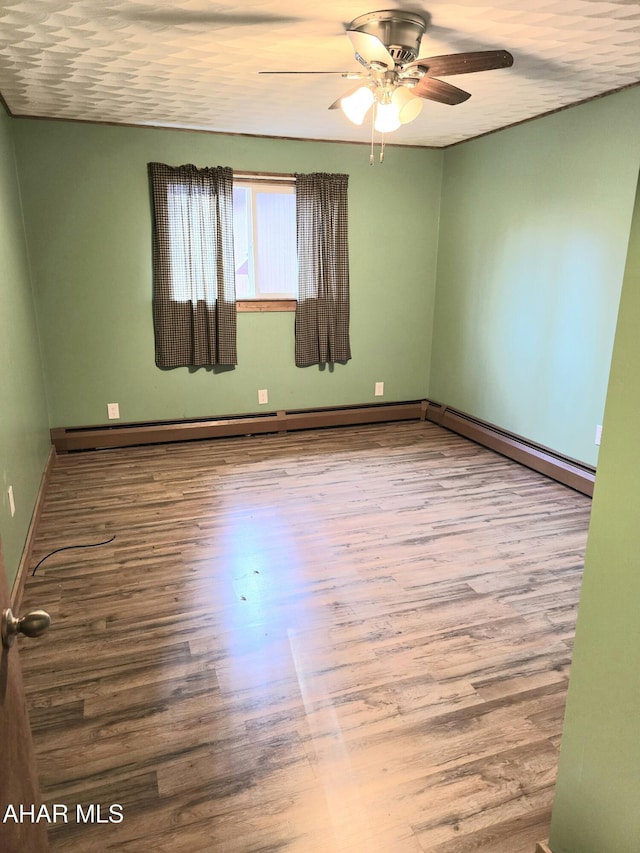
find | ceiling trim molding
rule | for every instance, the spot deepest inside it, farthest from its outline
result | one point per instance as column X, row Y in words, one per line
column 547, row 114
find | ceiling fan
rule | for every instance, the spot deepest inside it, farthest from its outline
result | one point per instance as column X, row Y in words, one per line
column 395, row 80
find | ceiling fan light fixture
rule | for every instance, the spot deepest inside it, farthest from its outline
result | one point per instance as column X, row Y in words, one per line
column 387, row 119
column 358, row 104
column 408, row 106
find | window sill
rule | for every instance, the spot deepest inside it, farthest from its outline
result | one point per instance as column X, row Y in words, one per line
column 259, row 305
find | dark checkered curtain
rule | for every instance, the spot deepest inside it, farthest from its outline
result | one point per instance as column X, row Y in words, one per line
column 194, row 298
column 322, row 315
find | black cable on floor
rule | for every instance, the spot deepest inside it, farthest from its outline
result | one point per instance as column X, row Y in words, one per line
column 68, row 548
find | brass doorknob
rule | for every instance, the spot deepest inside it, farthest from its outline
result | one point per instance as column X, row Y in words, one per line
column 33, row 624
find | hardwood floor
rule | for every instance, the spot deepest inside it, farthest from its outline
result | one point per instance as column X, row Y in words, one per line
column 338, row 641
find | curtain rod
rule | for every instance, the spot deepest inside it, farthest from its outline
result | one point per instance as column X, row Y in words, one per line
column 264, row 176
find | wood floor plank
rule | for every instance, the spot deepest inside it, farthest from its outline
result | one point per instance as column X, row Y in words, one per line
column 335, row 641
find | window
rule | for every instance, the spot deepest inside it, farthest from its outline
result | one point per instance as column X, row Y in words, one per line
column 264, row 239
column 223, row 240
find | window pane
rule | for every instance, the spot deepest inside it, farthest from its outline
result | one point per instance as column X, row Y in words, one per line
column 276, row 261
column 242, row 243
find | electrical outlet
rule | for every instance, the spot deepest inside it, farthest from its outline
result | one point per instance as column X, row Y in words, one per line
column 379, row 389
column 113, row 411
column 263, row 396
column 598, row 433
column 12, row 504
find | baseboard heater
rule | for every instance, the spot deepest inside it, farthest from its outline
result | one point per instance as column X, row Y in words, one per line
column 66, row 439
column 577, row 475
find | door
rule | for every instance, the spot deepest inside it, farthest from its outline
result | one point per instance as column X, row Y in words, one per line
column 18, row 773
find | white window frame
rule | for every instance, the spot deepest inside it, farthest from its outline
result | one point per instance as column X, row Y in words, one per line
column 256, row 182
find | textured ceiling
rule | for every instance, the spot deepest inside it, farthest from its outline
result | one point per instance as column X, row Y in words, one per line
column 194, row 64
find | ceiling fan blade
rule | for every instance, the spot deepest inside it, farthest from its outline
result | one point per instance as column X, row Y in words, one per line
column 177, row 16
column 438, row 90
column 370, row 49
column 464, row 63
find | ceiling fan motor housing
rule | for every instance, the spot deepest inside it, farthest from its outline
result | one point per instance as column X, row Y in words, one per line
column 400, row 32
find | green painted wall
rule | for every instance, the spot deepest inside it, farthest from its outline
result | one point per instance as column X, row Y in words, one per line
column 596, row 806
column 86, row 200
column 534, row 230
column 24, row 428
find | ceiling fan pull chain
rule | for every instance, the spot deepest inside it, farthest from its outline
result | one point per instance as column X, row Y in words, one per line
column 372, row 156
column 382, row 147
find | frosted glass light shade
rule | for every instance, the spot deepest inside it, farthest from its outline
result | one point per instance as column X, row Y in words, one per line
column 386, row 118
column 357, row 105
column 408, row 106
